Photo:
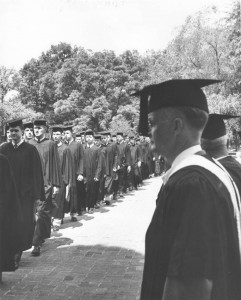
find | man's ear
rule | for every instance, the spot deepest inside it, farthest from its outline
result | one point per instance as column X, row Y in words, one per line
column 178, row 125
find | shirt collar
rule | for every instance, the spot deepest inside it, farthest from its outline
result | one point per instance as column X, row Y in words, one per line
column 90, row 146
column 72, row 140
column 19, row 143
column 40, row 139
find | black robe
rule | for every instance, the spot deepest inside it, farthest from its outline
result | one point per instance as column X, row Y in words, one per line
column 234, row 169
column 10, row 217
column 92, row 168
column 67, row 179
column 193, row 235
column 52, row 177
column 27, row 171
column 77, row 153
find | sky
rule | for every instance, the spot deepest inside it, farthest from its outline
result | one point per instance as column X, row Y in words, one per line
column 30, row 27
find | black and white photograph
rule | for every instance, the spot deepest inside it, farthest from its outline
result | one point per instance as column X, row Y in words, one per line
column 120, row 149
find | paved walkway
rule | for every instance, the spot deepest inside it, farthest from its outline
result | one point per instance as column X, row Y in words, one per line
column 99, row 257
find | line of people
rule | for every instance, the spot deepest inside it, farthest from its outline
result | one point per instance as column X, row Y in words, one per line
column 56, row 172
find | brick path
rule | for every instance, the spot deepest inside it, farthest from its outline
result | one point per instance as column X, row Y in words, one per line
column 98, row 257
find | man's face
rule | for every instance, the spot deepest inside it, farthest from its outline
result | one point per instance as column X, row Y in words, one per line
column 127, row 139
column 83, row 138
column 162, row 132
column 147, row 139
column 89, row 139
column 68, row 135
column 132, row 141
column 119, row 138
column 28, row 132
column 141, row 138
column 78, row 139
column 105, row 139
column 57, row 136
column 8, row 134
column 39, row 130
column 114, row 139
column 97, row 142
column 16, row 133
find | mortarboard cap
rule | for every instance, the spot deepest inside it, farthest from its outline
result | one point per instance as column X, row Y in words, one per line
column 15, row 122
column 27, row 125
column 56, row 128
column 40, row 122
column 78, row 134
column 98, row 137
column 215, row 127
column 89, row 132
column 171, row 93
column 120, row 133
column 105, row 133
column 68, row 127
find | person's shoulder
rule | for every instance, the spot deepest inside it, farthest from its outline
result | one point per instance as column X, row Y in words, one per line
column 5, row 145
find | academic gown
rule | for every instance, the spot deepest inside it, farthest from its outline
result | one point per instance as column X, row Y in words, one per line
column 52, row 177
column 68, row 178
column 27, row 171
column 10, row 217
column 135, row 158
column 76, row 200
column 92, row 168
column 124, row 160
column 234, row 169
column 193, row 234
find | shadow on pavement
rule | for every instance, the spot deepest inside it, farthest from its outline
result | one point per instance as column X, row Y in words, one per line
column 85, row 272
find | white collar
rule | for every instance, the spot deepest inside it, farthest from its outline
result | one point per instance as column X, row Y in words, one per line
column 59, row 144
column 90, row 146
column 181, row 156
column 40, row 139
column 19, row 143
column 72, row 140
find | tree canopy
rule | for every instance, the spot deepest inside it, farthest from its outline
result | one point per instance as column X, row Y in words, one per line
column 92, row 89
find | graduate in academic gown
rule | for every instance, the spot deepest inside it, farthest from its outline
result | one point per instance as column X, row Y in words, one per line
column 68, row 176
column 10, row 217
column 52, row 180
column 124, row 162
column 110, row 151
column 92, row 170
column 77, row 193
column 193, row 241
column 214, row 142
column 27, row 170
column 135, row 162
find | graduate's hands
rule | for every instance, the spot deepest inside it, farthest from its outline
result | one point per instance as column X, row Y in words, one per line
column 80, row 177
column 114, row 169
column 118, row 167
column 128, row 169
column 96, row 179
column 139, row 164
column 67, row 192
column 55, row 190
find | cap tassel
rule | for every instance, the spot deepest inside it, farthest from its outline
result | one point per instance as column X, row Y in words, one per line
column 143, row 121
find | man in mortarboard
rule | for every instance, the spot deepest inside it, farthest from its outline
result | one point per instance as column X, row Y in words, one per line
column 76, row 202
column 193, row 240
column 68, row 177
column 78, row 138
column 28, row 131
column 124, row 163
column 48, row 152
column 135, row 164
column 27, row 170
column 93, row 169
column 214, row 142
column 110, row 151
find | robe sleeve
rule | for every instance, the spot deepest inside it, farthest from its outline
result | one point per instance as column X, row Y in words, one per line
column 54, row 166
column 66, row 168
column 80, row 167
column 37, row 175
column 100, row 164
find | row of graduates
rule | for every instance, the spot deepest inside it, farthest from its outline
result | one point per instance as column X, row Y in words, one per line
column 54, row 174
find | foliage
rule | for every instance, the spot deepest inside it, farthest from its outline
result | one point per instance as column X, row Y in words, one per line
column 92, row 89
